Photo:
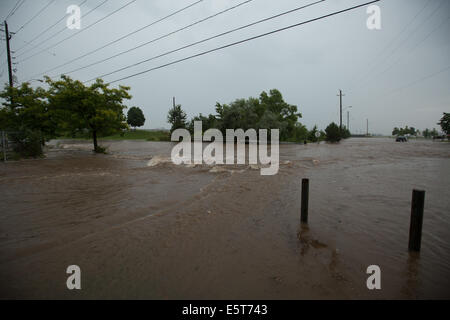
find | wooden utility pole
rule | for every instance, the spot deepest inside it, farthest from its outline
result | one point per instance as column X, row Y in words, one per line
column 8, row 49
column 367, row 127
column 174, row 102
column 340, row 95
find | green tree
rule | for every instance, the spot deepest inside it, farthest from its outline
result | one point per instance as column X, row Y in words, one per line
column 396, row 131
column 345, row 133
column 27, row 143
column 209, row 122
column 240, row 114
column 96, row 109
column 270, row 111
column 404, row 131
column 25, row 107
column 177, row 118
column 323, row 135
column 287, row 114
column 333, row 133
column 445, row 123
column 426, row 133
column 270, row 120
column 434, row 133
column 26, row 113
column 135, row 117
column 312, row 135
column 300, row 133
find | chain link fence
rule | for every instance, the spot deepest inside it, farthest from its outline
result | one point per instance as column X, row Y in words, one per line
column 7, row 145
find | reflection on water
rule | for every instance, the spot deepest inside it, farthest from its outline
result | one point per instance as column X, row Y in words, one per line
column 412, row 275
column 131, row 216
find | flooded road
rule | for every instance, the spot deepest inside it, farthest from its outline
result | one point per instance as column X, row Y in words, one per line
column 140, row 227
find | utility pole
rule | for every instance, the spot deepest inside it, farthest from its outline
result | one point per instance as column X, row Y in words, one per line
column 174, row 103
column 367, row 127
column 8, row 37
column 340, row 95
column 348, row 120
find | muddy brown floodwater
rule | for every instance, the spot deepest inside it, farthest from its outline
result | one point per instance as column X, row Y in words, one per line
column 141, row 227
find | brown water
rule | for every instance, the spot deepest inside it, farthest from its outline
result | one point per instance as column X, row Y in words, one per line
column 141, row 227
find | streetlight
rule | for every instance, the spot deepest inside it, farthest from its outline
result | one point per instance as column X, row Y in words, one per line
column 348, row 117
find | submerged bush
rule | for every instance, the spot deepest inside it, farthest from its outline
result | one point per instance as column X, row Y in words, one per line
column 27, row 143
column 345, row 134
column 333, row 133
column 100, row 149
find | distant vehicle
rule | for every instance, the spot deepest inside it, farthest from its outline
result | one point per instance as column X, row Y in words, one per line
column 401, row 139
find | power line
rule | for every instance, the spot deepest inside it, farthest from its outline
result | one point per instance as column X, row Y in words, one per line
column 61, row 30
column 12, row 9
column 213, row 37
column 153, row 40
column 36, row 15
column 392, row 41
column 123, row 37
column 19, row 3
column 242, row 41
column 83, row 29
column 418, row 27
column 53, row 25
column 411, row 50
column 418, row 81
column 402, row 42
column 26, row 42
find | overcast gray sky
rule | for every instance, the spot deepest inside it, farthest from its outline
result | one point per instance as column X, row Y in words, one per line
column 396, row 76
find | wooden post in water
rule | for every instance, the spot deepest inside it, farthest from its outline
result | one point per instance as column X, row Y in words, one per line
column 305, row 200
column 415, row 229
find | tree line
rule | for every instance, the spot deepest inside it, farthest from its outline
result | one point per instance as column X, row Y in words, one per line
column 444, row 123
column 269, row 111
column 69, row 108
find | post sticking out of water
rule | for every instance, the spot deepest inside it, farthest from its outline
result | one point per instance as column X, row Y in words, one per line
column 305, row 200
column 415, row 229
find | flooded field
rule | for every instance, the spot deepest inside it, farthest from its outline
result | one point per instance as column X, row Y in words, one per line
column 140, row 227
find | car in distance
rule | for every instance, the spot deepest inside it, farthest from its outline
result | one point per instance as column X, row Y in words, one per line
column 401, row 139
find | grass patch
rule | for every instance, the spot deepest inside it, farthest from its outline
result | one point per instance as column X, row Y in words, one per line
column 141, row 135
column 131, row 135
